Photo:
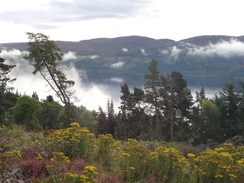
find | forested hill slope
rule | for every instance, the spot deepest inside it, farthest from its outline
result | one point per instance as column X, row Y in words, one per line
column 204, row 60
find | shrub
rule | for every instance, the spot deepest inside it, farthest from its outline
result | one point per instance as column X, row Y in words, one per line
column 26, row 112
column 73, row 142
column 224, row 164
column 33, row 162
column 134, row 161
column 34, row 168
column 167, row 165
column 88, row 176
column 7, row 159
column 106, row 150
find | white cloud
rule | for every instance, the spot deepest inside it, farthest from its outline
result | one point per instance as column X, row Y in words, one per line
column 117, row 65
column 26, row 82
column 75, row 20
column 116, row 80
column 69, row 56
column 223, row 49
column 12, row 54
column 143, row 52
column 164, row 52
column 66, row 10
column 93, row 56
column 174, row 52
column 125, row 50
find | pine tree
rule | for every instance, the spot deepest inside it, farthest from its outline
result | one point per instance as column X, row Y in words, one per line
column 152, row 95
column 111, row 117
column 102, row 122
column 227, row 102
column 177, row 103
column 7, row 98
column 46, row 57
column 5, row 69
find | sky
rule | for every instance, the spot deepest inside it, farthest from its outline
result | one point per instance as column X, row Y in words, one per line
column 75, row 20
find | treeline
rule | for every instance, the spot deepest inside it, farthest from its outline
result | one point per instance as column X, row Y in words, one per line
column 166, row 110
column 163, row 110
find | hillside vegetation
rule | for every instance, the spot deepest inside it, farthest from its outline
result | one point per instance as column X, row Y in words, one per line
column 76, row 155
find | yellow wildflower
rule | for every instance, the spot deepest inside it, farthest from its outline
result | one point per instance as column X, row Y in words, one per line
column 49, row 166
column 190, row 155
column 125, row 154
column 39, row 157
column 83, row 178
column 90, row 169
column 232, row 176
column 132, row 168
column 77, row 125
column 219, row 175
column 13, row 153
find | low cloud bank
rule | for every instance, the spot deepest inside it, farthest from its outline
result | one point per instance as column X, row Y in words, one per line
column 225, row 49
column 117, row 80
column 117, row 65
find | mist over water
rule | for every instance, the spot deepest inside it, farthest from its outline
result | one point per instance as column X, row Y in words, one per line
column 88, row 94
column 210, row 92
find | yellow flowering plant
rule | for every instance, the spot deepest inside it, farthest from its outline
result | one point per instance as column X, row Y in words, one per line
column 7, row 159
column 73, row 142
column 134, row 161
column 167, row 164
column 58, row 166
column 222, row 164
column 89, row 176
column 107, row 149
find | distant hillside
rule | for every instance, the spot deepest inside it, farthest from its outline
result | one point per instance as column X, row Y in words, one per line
column 204, row 60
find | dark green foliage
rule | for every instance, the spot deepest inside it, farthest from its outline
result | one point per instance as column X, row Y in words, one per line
column 7, row 99
column 177, row 103
column 240, row 111
column 111, row 117
column 5, row 69
column 126, row 104
column 34, row 95
column 230, row 104
column 131, row 119
column 53, row 115
column 26, row 112
column 152, row 95
column 167, row 111
column 102, row 122
column 88, row 119
column 208, row 123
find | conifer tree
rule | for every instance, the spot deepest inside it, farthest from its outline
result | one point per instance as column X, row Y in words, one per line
column 5, row 69
column 111, row 117
column 102, row 122
column 152, row 95
column 46, row 56
column 177, row 103
column 7, row 98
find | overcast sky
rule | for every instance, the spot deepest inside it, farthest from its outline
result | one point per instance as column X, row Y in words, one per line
column 75, row 20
